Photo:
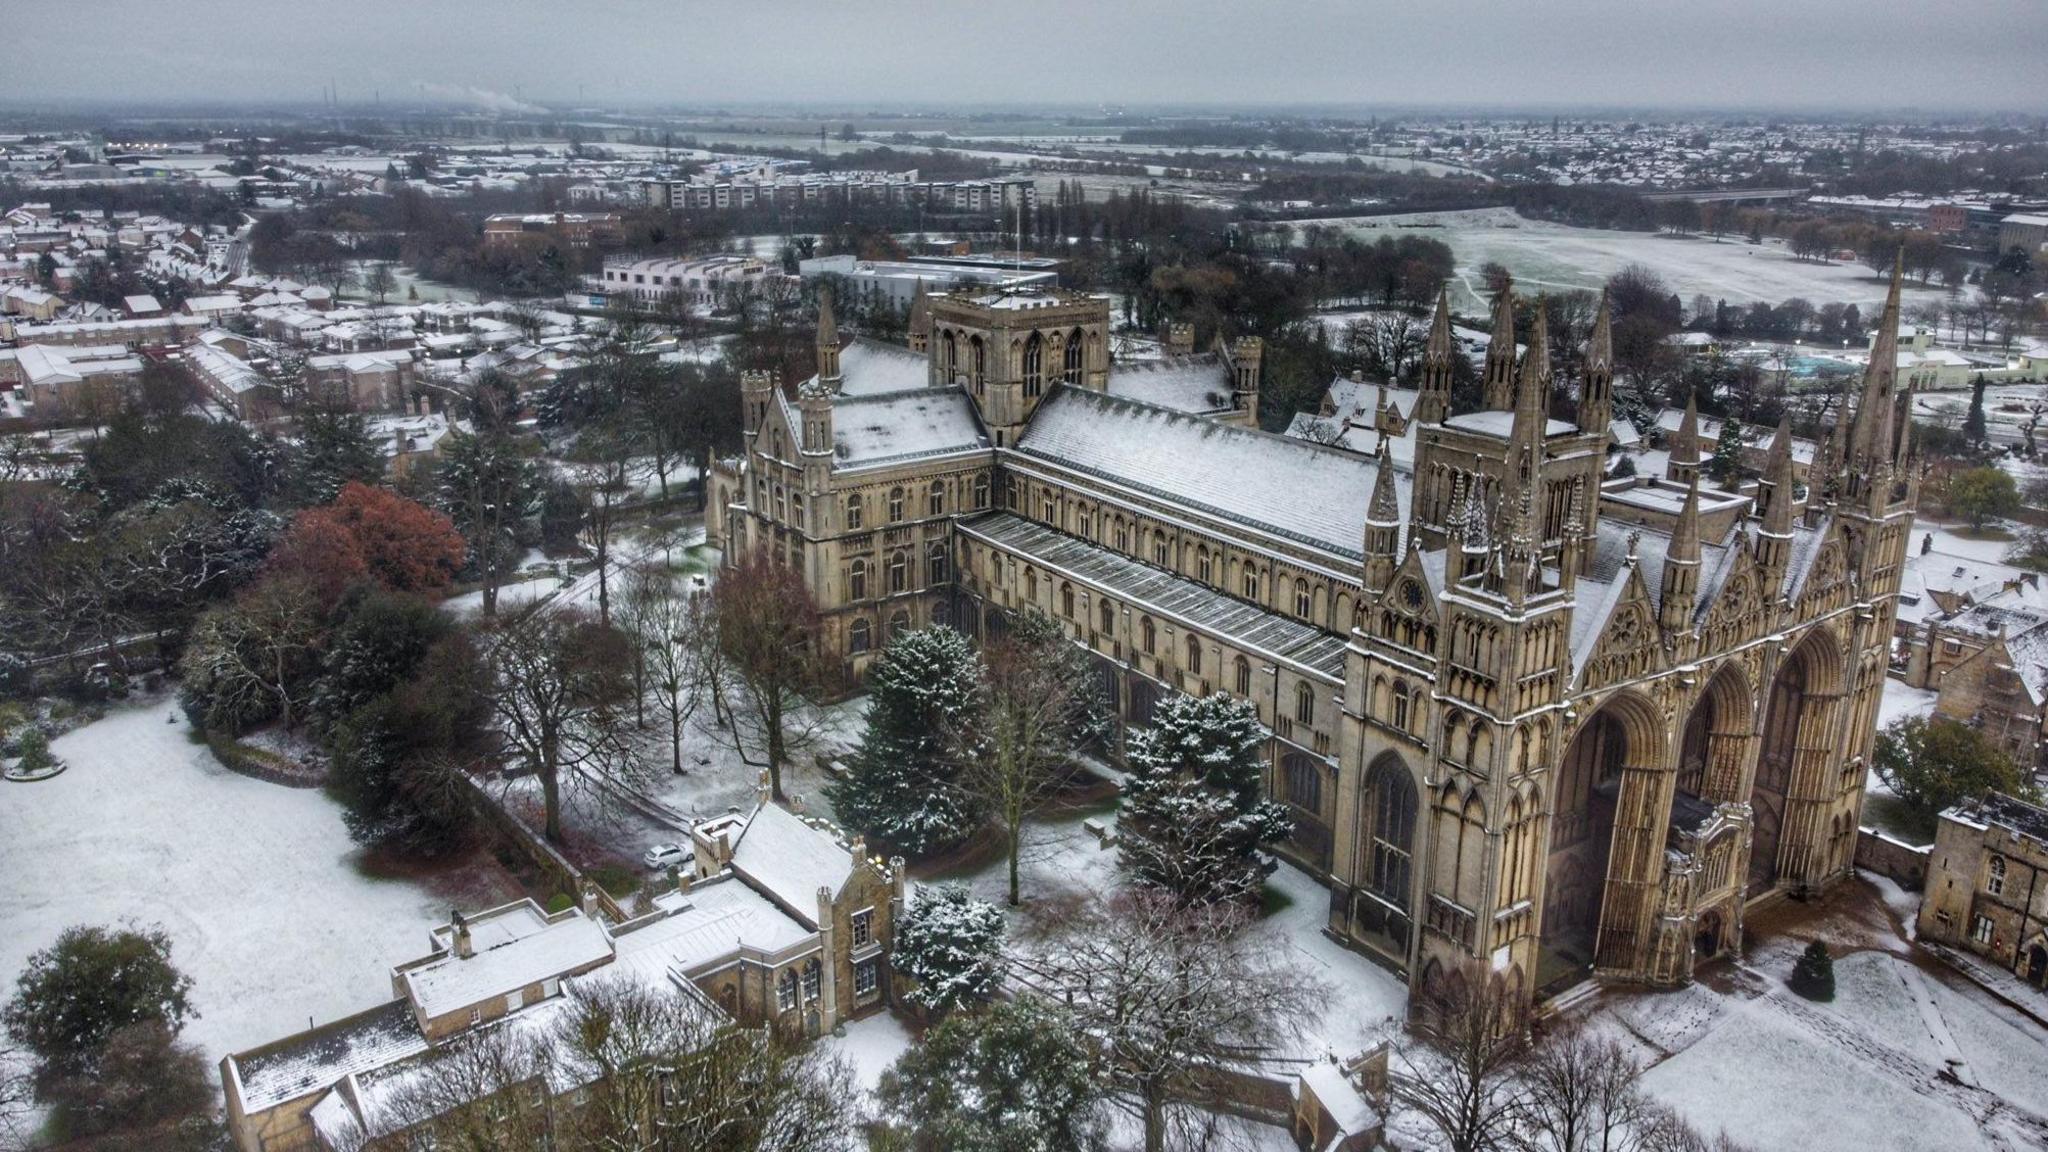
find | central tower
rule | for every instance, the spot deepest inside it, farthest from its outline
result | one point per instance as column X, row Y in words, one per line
column 1008, row 349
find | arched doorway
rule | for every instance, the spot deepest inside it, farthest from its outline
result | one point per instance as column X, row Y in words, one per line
column 1383, row 906
column 1623, row 734
column 1710, row 756
column 2037, row 966
column 1706, row 937
column 1798, row 728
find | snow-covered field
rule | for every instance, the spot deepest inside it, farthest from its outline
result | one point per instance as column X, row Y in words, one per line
column 1544, row 256
column 254, row 882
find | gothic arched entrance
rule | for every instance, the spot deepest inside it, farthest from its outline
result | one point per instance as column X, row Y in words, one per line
column 1576, row 874
column 1710, row 755
column 1793, row 760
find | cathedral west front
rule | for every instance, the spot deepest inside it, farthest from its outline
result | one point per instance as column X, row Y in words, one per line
column 1534, row 722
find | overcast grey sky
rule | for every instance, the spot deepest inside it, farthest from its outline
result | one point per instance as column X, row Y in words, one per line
column 1695, row 53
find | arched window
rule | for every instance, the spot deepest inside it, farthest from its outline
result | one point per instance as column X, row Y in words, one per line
column 1205, row 565
column 1995, row 884
column 1160, row 549
column 853, row 511
column 1244, row 676
column 1073, row 357
column 1066, row 600
column 1148, row 636
column 785, row 990
column 1301, row 600
column 1304, row 703
column 857, row 580
column 899, row 572
column 1401, row 705
column 1031, row 584
column 937, row 562
column 813, row 974
column 899, row 623
column 1391, row 796
column 977, row 360
column 1107, row 614
column 1194, row 654
column 1251, row 582
column 1034, row 365
column 981, row 491
column 860, row 637
column 1304, row 781
column 936, row 503
column 895, row 504
column 949, row 355
column 1123, row 535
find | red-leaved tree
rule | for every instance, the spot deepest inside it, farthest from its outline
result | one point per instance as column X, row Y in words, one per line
column 374, row 532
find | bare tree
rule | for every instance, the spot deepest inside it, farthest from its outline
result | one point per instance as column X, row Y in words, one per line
column 1462, row 1073
column 1043, row 699
column 766, row 619
column 560, row 678
column 379, row 282
column 672, row 626
column 650, row 1070
column 1168, row 994
column 600, row 478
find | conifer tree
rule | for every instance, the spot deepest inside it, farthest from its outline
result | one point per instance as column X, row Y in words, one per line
column 1814, row 975
column 924, row 702
column 950, row 945
column 1973, row 424
column 1192, row 821
column 1726, row 465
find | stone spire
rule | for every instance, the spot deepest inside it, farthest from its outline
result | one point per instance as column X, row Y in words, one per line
column 828, row 341
column 1683, row 466
column 1571, row 552
column 1870, row 435
column 920, row 319
column 1682, row 565
column 1596, row 387
column 1435, row 401
column 1499, row 382
column 1532, row 390
column 1382, row 525
column 1774, row 493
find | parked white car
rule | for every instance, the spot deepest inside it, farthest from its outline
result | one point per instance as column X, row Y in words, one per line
column 664, row 856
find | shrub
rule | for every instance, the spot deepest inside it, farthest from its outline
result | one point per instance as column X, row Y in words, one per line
column 1814, row 975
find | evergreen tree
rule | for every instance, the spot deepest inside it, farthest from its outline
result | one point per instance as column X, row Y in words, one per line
column 1726, row 465
column 1014, row 1078
column 1814, row 975
column 1192, row 821
column 951, row 946
column 73, row 997
column 1973, row 424
column 335, row 448
column 924, row 704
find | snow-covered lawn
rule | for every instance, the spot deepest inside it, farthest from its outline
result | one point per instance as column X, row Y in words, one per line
column 1552, row 257
column 872, row 1045
column 255, row 883
column 1902, row 700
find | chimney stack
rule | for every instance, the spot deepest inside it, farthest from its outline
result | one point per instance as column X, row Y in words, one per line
column 464, row 949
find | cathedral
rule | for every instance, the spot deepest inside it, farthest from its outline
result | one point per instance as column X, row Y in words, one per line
column 1534, row 722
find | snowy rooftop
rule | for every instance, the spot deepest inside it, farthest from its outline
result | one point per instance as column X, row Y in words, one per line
column 872, row 368
column 1292, row 488
column 1502, row 424
column 789, row 861
column 449, row 983
column 704, row 925
column 311, row 1061
column 1166, row 594
column 903, row 425
column 1182, row 383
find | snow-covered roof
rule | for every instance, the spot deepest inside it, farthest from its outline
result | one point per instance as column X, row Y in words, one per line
column 884, row 429
column 872, row 368
column 703, row 925
column 1306, row 492
column 1166, row 594
column 1182, row 383
column 1347, row 1107
column 312, row 1061
column 450, row 982
column 788, row 860
column 1496, row 422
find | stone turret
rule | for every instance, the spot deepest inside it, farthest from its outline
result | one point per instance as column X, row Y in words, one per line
column 1180, row 339
column 757, row 391
column 920, row 320
column 828, row 341
column 1246, row 355
column 1498, row 382
column 1596, row 386
column 1382, row 526
column 1682, row 566
column 1435, row 401
column 1774, row 499
column 1683, row 466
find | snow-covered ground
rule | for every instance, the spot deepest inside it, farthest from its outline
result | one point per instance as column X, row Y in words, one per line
column 1553, row 257
column 255, row 883
column 1902, row 700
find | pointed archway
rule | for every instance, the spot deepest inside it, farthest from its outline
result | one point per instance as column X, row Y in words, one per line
column 1717, row 734
column 1589, row 886
column 1792, row 764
